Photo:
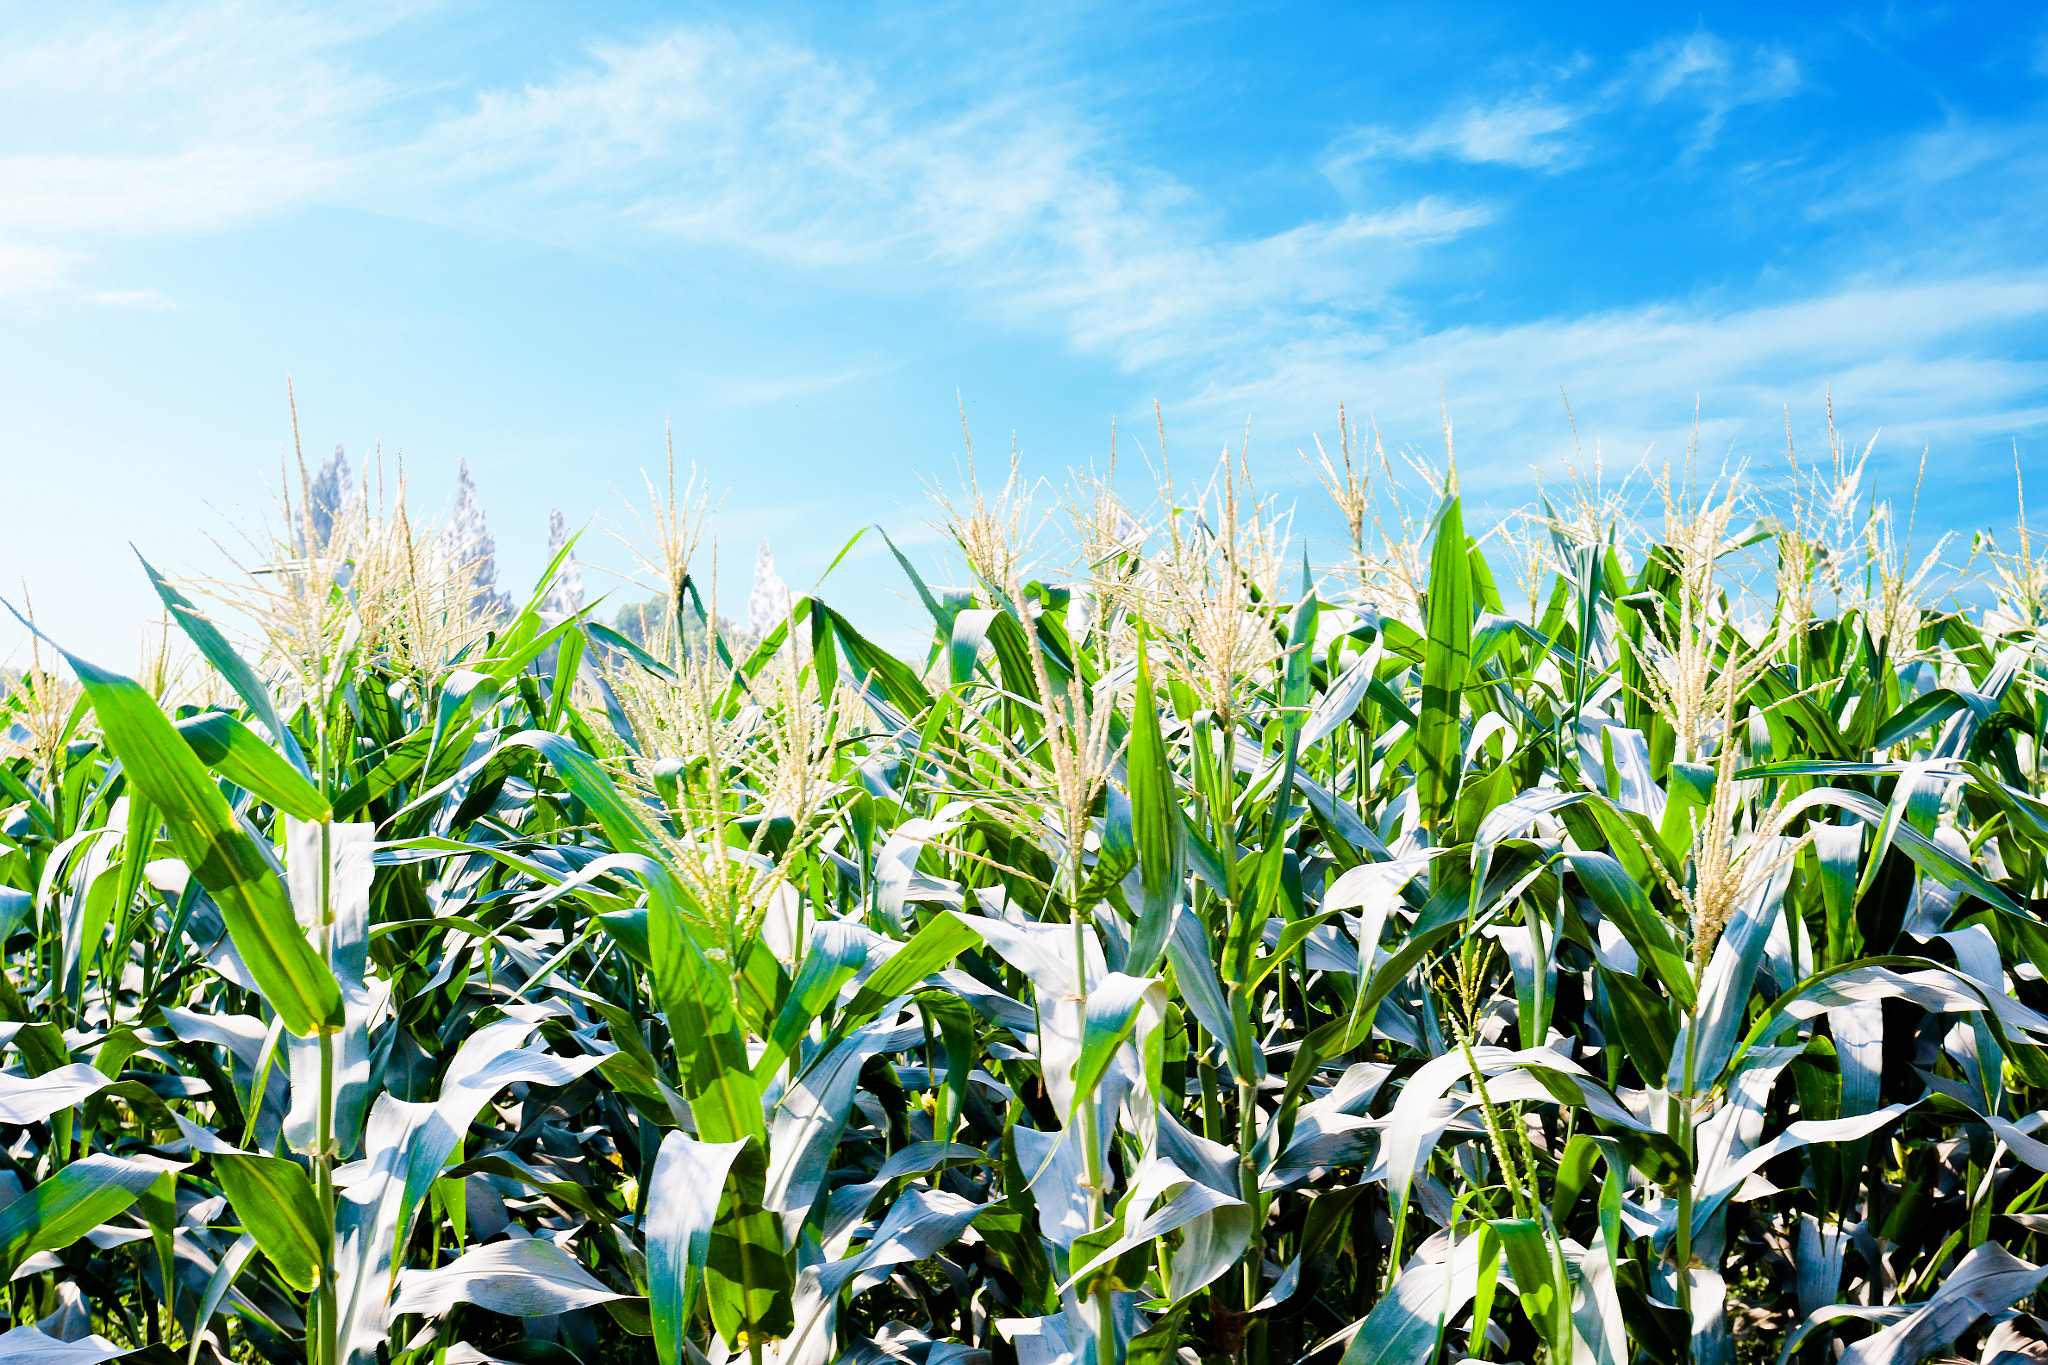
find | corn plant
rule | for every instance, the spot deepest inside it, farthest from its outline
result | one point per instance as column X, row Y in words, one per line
column 1182, row 957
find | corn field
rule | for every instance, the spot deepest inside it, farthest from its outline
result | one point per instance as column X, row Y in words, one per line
column 1186, row 956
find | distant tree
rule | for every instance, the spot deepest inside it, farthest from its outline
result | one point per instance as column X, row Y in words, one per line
column 467, row 540
column 768, row 604
column 329, row 497
column 565, row 594
column 646, row 625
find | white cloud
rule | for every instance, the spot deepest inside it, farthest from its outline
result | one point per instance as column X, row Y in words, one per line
column 716, row 137
column 196, row 120
column 1713, row 73
column 194, row 190
column 1538, row 129
column 1526, row 131
column 129, row 122
column 1008, row 199
column 1921, row 360
column 1983, row 178
column 1670, row 66
column 26, row 268
column 135, row 123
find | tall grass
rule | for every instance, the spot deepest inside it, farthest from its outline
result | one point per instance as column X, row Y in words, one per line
column 1181, row 956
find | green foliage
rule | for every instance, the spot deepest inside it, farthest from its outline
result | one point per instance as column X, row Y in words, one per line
column 1429, row 982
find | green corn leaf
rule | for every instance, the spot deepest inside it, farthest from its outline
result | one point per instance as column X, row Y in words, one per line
column 1158, row 1344
column 1113, row 1005
column 567, row 1193
column 275, row 1202
column 1487, row 1282
column 398, row 765
column 159, row 1207
column 746, row 1274
column 933, row 947
column 233, row 750
column 1216, row 1227
column 1648, row 1027
column 969, row 633
column 1407, row 1323
column 940, row 616
column 1157, row 827
column 834, row 956
column 220, row 854
column 611, row 639
column 1690, row 789
column 1292, row 936
column 523, row 1277
column 1439, row 742
column 1541, row 1280
column 876, row 669
column 217, row 1286
column 1442, row 918
column 1195, row 974
column 1622, row 900
column 1298, row 664
column 230, row 665
column 704, row 1022
column 628, row 928
column 1892, row 829
column 1837, row 850
column 688, row 1182
column 1344, row 696
column 1574, row 1169
column 72, row 1203
column 627, row 823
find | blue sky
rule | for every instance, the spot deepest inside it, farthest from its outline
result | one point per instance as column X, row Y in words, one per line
column 534, row 234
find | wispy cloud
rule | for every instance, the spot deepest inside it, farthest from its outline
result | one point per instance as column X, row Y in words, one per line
column 178, row 119
column 124, row 124
column 30, row 269
column 1529, row 131
column 1922, row 361
column 1714, row 75
column 118, row 195
column 716, row 137
column 1009, row 200
column 1552, row 125
column 197, row 120
column 1978, row 179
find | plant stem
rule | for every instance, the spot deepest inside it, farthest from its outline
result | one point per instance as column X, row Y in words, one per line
column 323, row 1159
column 1681, row 1133
column 1248, row 1190
column 328, row 1332
column 1105, row 1329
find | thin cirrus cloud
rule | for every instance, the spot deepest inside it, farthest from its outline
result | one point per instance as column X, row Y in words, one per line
column 1530, row 131
column 1013, row 202
column 1717, row 75
column 712, row 137
column 704, row 134
column 28, row 269
column 1637, row 373
column 142, row 124
column 1552, row 127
